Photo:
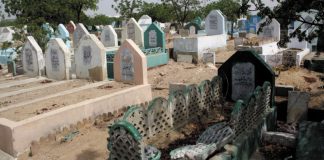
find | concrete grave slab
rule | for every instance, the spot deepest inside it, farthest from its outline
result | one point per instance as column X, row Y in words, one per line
column 269, row 31
column 90, row 59
column 32, row 58
column 215, row 23
column 297, row 106
column 78, row 33
column 154, row 37
column 58, row 60
column 125, row 68
column 135, row 32
column 109, row 37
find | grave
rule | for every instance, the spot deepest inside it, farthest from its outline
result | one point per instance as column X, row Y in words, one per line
column 6, row 34
column 109, row 37
column 215, row 23
column 209, row 58
column 269, row 31
column 199, row 44
column 193, row 28
column 242, row 72
column 155, row 46
column 145, row 21
column 64, row 34
column 297, row 106
column 90, row 58
column 71, row 27
column 125, row 68
column 78, row 33
column 32, row 58
column 135, row 32
column 58, row 60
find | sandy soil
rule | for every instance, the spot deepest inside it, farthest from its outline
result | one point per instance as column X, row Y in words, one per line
column 4, row 79
column 51, row 104
column 24, row 86
column 11, row 100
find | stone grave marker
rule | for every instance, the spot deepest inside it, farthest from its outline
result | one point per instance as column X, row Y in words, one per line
column 184, row 58
column 71, row 27
column 192, row 30
column 242, row 72
column 209, row 58
column 79, row 32
column 64, row 34
column 135, row 32
column 125, row 68
column 145, row 21
column 90, row 59
column 33, row 59
column 154, row 37
column 58, row 60
column 297, row 106
column 271, row 30
column 109, row 37
column 6, row 34
column 289, row 58
column 215, row 23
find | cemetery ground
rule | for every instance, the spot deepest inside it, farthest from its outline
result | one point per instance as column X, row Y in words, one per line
column 87, row 140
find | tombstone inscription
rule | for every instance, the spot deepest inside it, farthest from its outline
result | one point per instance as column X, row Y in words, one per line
column 243, row 80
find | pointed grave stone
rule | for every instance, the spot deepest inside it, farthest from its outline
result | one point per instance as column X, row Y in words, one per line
column 33, row 59
column 271, row 30
column 109, row 37
column 71, row 27
column 135, row 32
column 154, row 37
column 6, row 34
column 215, row 23
column 242, row 73
column 79, row 32
column 57, row 59
column 125, row 68
column 90, row 59
column 145, row 21
column 63, row 33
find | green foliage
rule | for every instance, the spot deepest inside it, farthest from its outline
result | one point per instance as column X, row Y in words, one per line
column 289, row 11
column 100, row 20
column 230, row 8
column 184, row 10
column 158, row 12
column 127, row 8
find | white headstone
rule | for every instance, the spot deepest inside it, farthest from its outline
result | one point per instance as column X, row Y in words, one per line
column 145, row 21
column 271, row 30
column 215, row 23
column 79, row 32
column 192, row 30
column 58, row 60
column 6, row 34
column 135, row 32
column 33, row 59
column 90, row 59
column 243, row 80
column 109, row 37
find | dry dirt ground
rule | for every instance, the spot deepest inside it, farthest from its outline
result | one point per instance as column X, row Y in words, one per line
column 90, row 141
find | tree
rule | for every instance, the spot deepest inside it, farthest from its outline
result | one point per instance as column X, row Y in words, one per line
column 78, row 6
column 157, row 11
column 127, row 8
column 288, row 12
column 183, row 8
column 230, row 8
column 100, row 20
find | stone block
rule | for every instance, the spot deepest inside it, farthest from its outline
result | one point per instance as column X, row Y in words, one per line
column 209, row 58
column 297, row 106
column 283, row 90
column 184, row 58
